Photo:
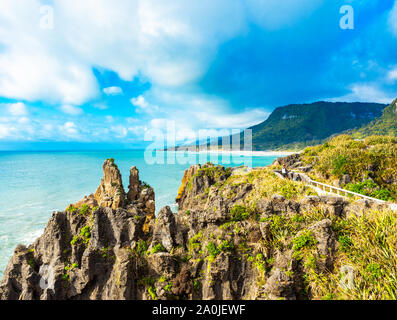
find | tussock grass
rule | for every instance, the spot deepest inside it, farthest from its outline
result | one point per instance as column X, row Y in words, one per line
column 366, row 244
column 266, row 184
column 371, row 164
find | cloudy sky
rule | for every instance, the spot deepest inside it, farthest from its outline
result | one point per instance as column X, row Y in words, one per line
column 101, row 72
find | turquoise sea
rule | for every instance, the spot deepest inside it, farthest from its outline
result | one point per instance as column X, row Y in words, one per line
column 34, row 184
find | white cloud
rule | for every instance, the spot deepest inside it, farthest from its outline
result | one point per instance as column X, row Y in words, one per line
column 152, row 38
column 6, row 131
column 56, row 65
column 139, row 102
column 143, row 106
column 392, row 75
column 393, row 19
column 202, row 111
column 100, row 106
column 137, row 130
column 69, row 129
column 168, row 42
column 71, row 110
column 120, row 131
column 363, row 92
column 131, row 120
column 112, row 91
column 159, row 123
column 24, row 120
column 240, row 120
column 17, row 109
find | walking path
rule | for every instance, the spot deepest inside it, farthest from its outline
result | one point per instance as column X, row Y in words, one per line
column 323, row 188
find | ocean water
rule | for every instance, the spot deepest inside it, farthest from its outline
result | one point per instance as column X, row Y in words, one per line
column 34, row 184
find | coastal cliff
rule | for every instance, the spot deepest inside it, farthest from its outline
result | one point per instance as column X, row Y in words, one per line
column 239, row 234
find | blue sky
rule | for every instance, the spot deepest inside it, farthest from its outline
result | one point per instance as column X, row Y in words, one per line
column 107, row 73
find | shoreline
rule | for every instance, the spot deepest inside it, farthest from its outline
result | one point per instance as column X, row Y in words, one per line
column 242, row 153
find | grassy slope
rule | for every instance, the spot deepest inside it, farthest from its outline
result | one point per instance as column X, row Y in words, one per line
column 385, row 125
column 371, row 163
column 368, row 243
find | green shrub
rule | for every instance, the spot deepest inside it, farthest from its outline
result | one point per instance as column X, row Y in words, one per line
column 239, row 213
column 382, row 194
column 86, row 232
column 306, row 239
column 158, row 248
column 152, row 292
column 75, row 240
column 84, row 209
column 65, row 277
column 345, row 243
column 288, row 190
column 168, row 287
column 338, row 166
column 196, row 285
column 72, row 209
column 374, row 271
column 195, row 241
column 141, row 247
column 213, row 251
column 370, row 189
column 226, row 246
column 71, row 267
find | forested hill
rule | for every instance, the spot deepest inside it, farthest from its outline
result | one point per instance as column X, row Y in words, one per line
column 385, row 125
column 298, row 125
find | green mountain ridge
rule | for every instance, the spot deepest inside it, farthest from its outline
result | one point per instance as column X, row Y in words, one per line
column 385, row 125
column 298, row 125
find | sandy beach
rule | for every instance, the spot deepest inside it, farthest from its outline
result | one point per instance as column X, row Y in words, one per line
column 244, row 153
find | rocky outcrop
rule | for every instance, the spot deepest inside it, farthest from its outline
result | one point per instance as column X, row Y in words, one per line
column 187, row 176
column 78, row 257
column 293, row 161
column 326, row 243
column 89, row 201
column 86, row 252
column 133, row 188
column 141, row 197
column 110, row 192
column 111, row 246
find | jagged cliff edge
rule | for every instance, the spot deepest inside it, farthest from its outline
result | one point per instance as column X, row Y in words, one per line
column 220, row 244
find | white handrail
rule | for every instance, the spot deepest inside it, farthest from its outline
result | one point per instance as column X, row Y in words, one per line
column 317, row 184
column 345, row 191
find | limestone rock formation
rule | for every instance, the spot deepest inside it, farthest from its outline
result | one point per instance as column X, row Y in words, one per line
column 89, row 201
column 141, row 196
column 110, row 192
column 223, row 243
column 133, row 188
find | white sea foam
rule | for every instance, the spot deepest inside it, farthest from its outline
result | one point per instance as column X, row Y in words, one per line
column 30, row 237
column 3, row 240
